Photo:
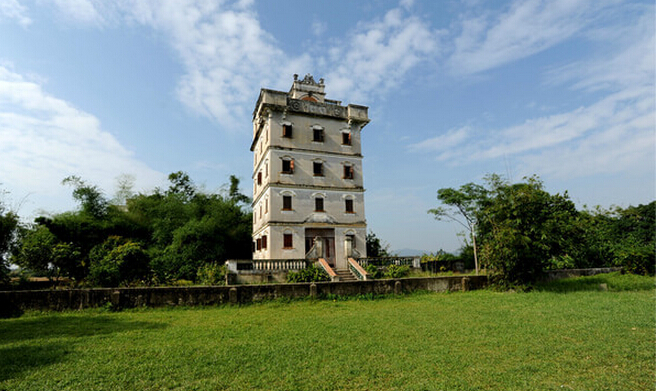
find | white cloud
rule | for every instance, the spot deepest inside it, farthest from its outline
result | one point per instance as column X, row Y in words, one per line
column 615, row 134
column 43, row 138
column 12, row 9
column 445, row 141
column 379, row 55
column 228, row 56
column 527, row 27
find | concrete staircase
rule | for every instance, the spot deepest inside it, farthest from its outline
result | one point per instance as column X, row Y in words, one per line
column 345, row 275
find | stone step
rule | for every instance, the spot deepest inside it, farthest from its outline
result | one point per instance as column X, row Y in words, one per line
column 345, row 275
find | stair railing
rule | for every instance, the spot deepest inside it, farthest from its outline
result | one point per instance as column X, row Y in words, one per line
column 325, row 266
column 357, row 270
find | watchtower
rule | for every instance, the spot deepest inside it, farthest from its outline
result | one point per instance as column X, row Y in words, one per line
column 308, row 194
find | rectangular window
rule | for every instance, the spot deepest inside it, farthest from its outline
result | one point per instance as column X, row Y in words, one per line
column 264, row 242
column 287, row 131
column 259, row 178
column 317, row 168
column 286, row 202
column 348, row 172
column 349, row 206
column 346, row 138
column 259, row 244
column 317, row 135
column 287, row 166
column 288, row 241
column 318, row 204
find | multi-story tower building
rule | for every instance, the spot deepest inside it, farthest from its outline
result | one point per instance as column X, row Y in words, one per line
column 308, row 194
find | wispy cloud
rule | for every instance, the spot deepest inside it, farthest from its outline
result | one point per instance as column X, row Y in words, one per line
column 43, row 137
column 613, row 134
column 12, row 9
column 527, row 27
column 380, row 53
column 228, row 56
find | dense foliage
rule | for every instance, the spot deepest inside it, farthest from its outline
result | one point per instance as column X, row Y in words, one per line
column 375, row 247
column 522, row 230
column 309, row 274
column 158, row 237
column 8, row 227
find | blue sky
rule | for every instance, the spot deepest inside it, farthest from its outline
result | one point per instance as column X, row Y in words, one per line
column 456, row 90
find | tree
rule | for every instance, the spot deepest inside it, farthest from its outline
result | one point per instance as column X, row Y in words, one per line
column 463, row 204
column 522, row 228
column 118, row 261
column 375, row 247
column 124, row 185
column 91, row 198
column 8, row 227
column 235, row 194
column 36, row 251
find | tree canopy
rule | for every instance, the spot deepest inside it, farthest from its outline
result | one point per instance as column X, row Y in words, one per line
column 522, row 230
column 153, row 237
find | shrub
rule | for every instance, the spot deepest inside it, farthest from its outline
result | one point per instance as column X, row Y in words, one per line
column 117, row 261
column 373, row 271
column 211, row 274
column 394, row 271
column 309, row 274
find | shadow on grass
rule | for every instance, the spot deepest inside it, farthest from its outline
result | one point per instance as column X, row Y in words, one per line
column 18, row 359
column 58, row 325
column 611, row 281
column 26, row 357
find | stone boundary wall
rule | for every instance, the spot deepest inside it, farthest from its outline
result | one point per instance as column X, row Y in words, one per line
column 74, row 299
column 12, row 302
column 551, row 275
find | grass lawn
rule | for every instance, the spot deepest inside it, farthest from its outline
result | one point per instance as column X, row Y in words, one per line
column 564, row 336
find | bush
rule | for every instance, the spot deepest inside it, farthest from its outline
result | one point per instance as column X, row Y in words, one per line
column 394, row 271
column 373, row 271
column 309, row 274
column 117, row 261
column 211, row 274
column 636, row 258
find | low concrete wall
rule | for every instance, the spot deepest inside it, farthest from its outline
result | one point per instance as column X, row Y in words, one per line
column 16, row 301
column 570, row 273
column 57, row 300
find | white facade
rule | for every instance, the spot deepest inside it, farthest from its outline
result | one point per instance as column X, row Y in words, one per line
column 307, row 175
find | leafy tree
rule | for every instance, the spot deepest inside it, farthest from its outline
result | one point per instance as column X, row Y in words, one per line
column 523, row 228
column 620, row 237
column 117, row 261
column 375, row 247
column 463, row 206
column 235, row 194
column 90, row 197
column 36, row 251
column 8, row 228
column 124, row 185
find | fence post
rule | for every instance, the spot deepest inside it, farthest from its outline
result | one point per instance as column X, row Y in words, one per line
column 232, row 295
column 397, row 288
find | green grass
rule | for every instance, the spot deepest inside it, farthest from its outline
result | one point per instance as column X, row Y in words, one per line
column 542, row 340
